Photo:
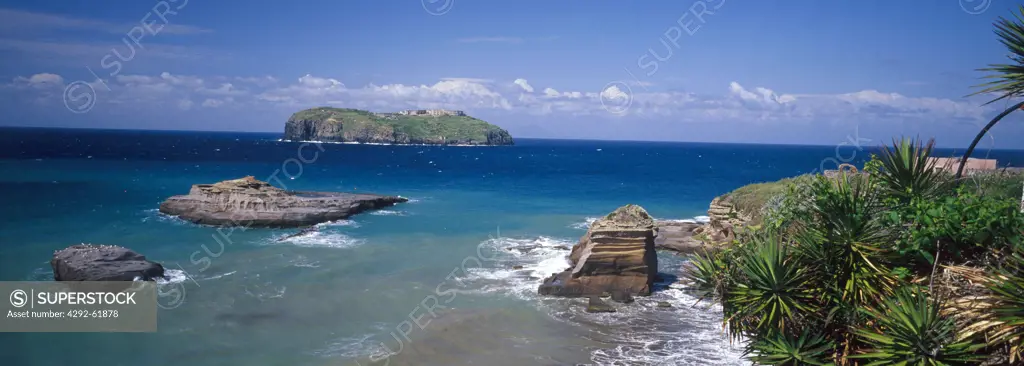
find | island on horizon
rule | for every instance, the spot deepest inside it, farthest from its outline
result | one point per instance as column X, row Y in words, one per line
column 409, row 127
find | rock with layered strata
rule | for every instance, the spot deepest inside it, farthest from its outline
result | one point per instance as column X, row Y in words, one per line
column 724, row 221
column 616, row 255
column 253, row 203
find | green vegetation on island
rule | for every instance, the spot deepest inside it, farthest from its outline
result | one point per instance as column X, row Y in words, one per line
column 430, row 127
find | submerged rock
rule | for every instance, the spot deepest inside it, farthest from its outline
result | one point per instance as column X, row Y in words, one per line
column 596, row 305
column 616, row 255
column 250, row 202
column 664, row 304
column 89, row 262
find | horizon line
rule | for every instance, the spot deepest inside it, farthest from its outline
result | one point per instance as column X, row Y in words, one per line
column 514, row 138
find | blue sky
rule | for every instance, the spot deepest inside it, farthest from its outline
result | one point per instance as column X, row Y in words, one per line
column 719, row 71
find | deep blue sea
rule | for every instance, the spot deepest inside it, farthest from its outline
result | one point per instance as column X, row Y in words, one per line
column 432, row 280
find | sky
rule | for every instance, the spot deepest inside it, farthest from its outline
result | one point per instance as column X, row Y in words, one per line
column 790, row 72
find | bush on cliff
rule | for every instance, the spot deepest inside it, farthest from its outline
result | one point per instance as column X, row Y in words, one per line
column 863, row 269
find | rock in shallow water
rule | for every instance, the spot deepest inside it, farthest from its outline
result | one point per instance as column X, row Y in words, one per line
column 616, row 255
column 250, row 202
column 89, row 262
column 596, row 305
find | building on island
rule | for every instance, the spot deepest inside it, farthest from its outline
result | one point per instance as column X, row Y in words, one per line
column 432, row 112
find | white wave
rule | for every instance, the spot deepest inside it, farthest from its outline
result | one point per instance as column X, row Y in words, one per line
column 585, row 224
column 172, row 276
column 346, row 223
column 323, row 239
column 214, row 277
column 515, row 266
column 388, row 213
column 702, row 219
column 154, row 215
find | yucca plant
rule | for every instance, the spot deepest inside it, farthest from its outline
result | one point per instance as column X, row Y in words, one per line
column 844, row 240
column 774, row 292
column 907, row 173
column 710, row 275
column 908, row 329
column 785, row 350
column 842, row 246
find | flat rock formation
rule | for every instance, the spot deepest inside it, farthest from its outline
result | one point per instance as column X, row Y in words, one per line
column 616, row 255
column 432, row 127
column 250, row 202
column 89, row 262
column 677, row 236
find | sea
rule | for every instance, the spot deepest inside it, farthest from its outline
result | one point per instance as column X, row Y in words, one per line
column 448, row 278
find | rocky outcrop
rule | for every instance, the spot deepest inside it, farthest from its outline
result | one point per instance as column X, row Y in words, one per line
column 678, row 236
column 250, row 202
column 617, row 254
column 691, row 237
column 313, row 130
column 724, row 220
column 353, row 125
column 88, row 262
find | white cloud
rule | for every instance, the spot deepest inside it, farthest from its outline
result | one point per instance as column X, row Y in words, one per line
column 225, row 89
column 320, row 83
column 613, row 92
column 258, row 81
column 179, row 80
column 523, row 84
column 739, row 104
column 212, row 103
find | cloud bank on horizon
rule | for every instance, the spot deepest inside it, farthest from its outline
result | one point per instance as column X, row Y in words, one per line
column 116, row 93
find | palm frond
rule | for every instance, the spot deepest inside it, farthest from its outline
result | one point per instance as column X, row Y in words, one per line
column 1008, row 78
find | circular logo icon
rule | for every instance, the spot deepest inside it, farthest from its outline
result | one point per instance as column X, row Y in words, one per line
column 616, row 97
column 437, row 7
column 79, row 97
column 19, row 298
column 170, row 295
column 975, row 7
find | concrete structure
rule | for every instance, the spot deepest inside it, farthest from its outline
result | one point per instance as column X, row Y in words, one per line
column 432, row 112
column 973, row 164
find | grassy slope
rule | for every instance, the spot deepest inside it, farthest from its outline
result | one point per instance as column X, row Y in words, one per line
column 463, row 128
column 750, row 198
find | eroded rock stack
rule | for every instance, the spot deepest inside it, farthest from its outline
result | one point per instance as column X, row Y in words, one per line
column 615, row 257
column 250, row 202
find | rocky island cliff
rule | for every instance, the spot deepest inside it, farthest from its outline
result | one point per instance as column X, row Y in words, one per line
column 426, row 127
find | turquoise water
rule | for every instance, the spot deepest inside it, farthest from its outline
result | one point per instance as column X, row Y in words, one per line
column 431, row 280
